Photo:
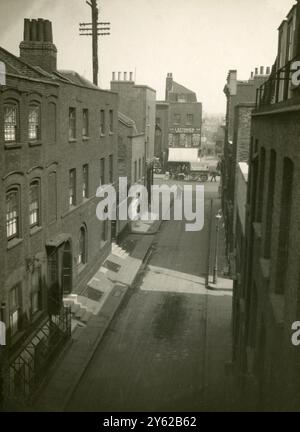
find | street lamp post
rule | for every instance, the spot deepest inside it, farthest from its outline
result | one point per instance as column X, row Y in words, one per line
column 215, row 270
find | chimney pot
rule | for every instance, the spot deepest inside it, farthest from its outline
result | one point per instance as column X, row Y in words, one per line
column 130, row 76
column 33, row 31
column 125, row 76
column 26, row 30
column 268, row 70
column 119, row 76
column 261, row 70
column 48, row 31
column 256, row 71
column 113, row 76
column 40, row 30
column 252, row 74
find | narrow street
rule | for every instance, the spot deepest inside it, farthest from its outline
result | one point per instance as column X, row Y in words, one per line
column 154, row 356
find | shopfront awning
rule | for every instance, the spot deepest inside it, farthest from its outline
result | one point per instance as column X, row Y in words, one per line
column 183, row 155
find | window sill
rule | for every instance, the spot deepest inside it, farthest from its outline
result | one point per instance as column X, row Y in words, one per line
column 13, row 243
column 86, row 138
column 111, row 133
column 35, row 230
column 72, row 140
column 12, row 145
column 35, row 143
column 102, row 135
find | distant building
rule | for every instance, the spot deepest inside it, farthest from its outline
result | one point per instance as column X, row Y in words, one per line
column 268, row 300
column 131, row 160
column 162, row 131
column 184, row 116
column 58, row 144
column 138, row 103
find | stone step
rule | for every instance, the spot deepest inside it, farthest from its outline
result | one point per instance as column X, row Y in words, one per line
column 75, row 307
column 80, row 312
column 86, row 316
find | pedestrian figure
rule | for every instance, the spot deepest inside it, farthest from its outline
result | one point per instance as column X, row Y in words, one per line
column 213, row 176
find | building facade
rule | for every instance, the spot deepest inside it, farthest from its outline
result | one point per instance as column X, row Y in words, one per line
column 240, row 99
column 266, row 359
column 131, row 161
column 59, row 143
column 178, row 121
column 138, row 103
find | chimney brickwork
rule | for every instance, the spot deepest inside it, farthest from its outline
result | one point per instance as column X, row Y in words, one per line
column 37, row 47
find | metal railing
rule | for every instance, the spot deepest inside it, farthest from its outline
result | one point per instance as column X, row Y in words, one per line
column 23, row 373
column 278, row 87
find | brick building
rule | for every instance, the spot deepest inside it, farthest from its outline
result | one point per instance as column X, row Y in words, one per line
column 265, row 358
column 58, row 140
column 162, row 131
column 138, row 103
column 131, row 159
column 240, row 97
column 179, row 120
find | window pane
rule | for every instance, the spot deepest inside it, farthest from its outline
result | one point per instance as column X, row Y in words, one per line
column 10, row 123
column 85, row 123
column 111, row 120
column 81, row 252
column 111, row 169
column 72, row 187
column 72, row 123
column 34, row 204
column 102, row 122
column 12, row 214
column 102, row 171
column 85, row 181
column 33, row 122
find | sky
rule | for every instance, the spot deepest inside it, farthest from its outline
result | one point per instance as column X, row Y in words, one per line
column 197, row 40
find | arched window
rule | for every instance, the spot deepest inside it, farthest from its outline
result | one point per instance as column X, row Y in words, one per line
column 82, row 255
column 34, row 204
column 10, row 122
column 12, row 213
column 34, row 121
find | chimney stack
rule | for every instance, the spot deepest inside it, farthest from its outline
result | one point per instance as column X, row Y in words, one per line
column 256, row 71
column 169, row 85
column 252, row 74
column 113, row 76
column 119, row 76
column 268, row 70
column 130, row 76
column 261, row 70
column 125, row 76
column 37, row 47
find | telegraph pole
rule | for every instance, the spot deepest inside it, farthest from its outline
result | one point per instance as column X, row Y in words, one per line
column 94, row 29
